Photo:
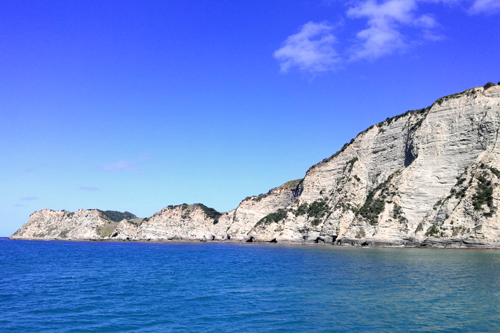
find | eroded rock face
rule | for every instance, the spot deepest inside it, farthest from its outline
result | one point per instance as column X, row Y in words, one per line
column 62, row 225
column 249, row 214
column 176, row 223
column 427, row 177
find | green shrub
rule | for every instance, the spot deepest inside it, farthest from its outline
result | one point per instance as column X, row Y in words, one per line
column 118, row 216
column 398, row 214
column 496, row 172
column 489, row 85
column 210, row 212
column 292, row 184
column 350, row 164
column 484, row 193
column 277, row 216
column 317, row 209
column 437, row 204
column 261, row 196
column 316, row 222
column 417, row 124
column 372, row 209
column 434, row 230
column 302, row 209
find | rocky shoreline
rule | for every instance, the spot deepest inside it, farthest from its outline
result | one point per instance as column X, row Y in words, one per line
column 343, row 243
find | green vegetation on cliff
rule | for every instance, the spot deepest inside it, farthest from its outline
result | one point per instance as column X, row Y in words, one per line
column 118, row 216
column 187, row 209
column 277, row 216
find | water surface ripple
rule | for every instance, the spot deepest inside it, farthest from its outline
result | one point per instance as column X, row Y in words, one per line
column 140, row 287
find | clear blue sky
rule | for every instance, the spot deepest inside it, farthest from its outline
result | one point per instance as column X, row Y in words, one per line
column 136, row 105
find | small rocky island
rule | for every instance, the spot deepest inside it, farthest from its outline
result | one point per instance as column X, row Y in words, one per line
column 428, row 177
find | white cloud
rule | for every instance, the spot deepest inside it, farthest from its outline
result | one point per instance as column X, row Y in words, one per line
column 380, row 14
column 119, row 166
column 391, row 26
column 426, row 21
column 386, row 21
column 311, row 49
column 485, row 6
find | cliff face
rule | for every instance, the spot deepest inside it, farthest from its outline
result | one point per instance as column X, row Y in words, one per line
column 171, row 223
column 427, row 177
column 81, row 225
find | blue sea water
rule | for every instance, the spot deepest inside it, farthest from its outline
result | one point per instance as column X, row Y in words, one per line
column 151, row 287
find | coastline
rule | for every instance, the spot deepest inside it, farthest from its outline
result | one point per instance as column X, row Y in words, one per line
column 356, row 244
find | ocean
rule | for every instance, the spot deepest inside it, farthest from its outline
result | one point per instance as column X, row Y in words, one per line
column 217, row 287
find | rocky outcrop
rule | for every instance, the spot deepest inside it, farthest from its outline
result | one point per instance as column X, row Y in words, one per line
column 171, row 223
column 428, row 177
column 81, row 225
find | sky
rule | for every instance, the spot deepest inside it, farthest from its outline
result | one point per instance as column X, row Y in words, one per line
column 137, row 105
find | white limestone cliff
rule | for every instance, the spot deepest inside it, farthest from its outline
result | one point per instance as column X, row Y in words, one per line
column 58, row 225
column 427, row 177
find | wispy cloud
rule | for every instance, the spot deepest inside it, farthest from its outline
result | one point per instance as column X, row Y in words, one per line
column 89, row 188
column 391, row 26
column 485, row 7
column 311, row 49
column 118, row 166
column 31, row 198
column 385, row 23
